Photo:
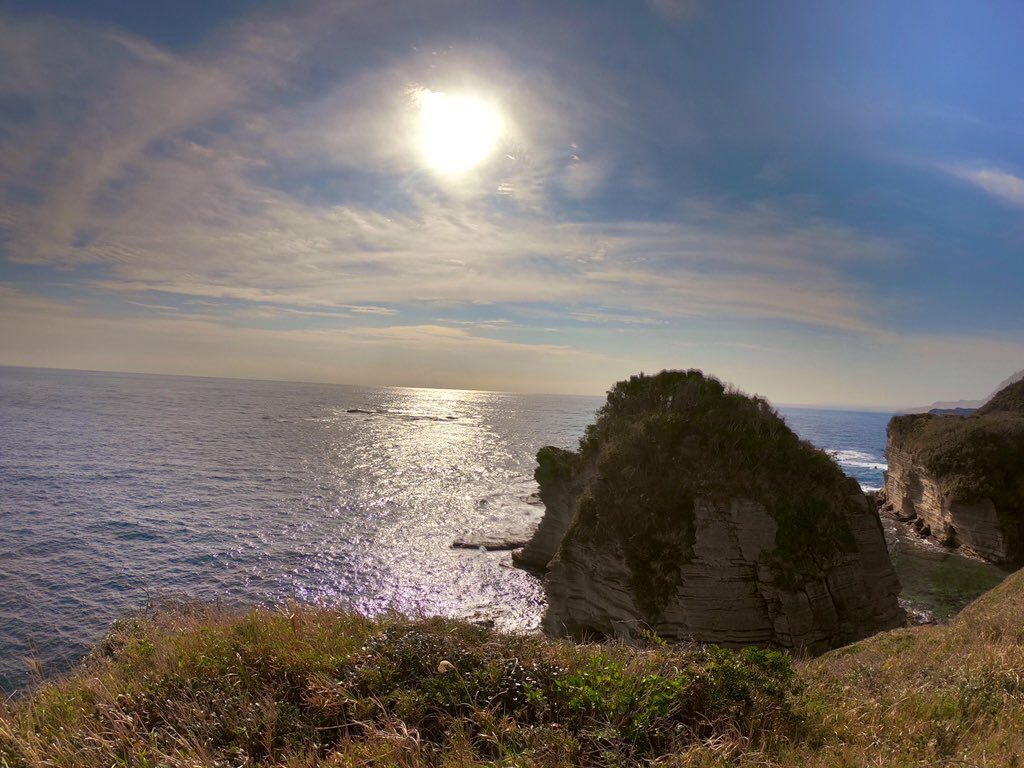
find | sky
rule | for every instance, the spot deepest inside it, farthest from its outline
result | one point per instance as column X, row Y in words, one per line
column 820, row 202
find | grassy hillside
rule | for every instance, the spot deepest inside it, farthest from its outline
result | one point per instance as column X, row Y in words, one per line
column 202, row 687
column 937, row 696
column 1008, row 399
column 316, row 687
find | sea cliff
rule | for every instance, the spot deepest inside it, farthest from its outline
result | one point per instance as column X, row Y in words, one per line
column 693, row 512
column 960, row 479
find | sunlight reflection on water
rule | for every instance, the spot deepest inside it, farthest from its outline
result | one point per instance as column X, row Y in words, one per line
column 116, row 487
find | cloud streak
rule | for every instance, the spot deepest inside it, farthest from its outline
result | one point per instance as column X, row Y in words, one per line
column 1003, row 186
column 223, row 194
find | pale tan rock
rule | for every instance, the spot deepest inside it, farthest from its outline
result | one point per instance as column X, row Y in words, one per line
column 976, row 526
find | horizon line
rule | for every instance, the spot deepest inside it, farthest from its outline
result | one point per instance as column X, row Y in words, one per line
column 809, row 406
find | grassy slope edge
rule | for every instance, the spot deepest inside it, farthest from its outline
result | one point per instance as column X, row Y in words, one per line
column 202, row 687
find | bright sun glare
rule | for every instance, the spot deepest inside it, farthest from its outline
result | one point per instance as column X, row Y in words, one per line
column 457, row 132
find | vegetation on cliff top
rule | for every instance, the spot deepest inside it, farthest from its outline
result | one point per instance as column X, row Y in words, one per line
column 661, row 442
column 326, row 688
column 973, row 457
column 314, row 687
column 1009, row 399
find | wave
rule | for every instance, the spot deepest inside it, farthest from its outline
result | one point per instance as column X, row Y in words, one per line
column 860, row 459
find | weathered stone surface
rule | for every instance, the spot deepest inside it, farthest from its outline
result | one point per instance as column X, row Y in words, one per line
column 727, row 592
column 913, row 494
column 492, row 542
column 960, row 479
column 561, row 481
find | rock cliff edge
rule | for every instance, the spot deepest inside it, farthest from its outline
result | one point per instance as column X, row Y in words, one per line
column 960, row 479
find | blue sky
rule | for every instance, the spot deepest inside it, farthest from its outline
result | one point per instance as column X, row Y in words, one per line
column 822, row 202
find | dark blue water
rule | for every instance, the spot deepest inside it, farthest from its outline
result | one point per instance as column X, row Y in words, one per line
column 118, row 487
column 855, row 438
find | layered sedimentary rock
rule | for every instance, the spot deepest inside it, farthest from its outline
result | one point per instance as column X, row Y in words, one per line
column 561, row 479
column 693, row 512
column 960, row 479
column 728, row 592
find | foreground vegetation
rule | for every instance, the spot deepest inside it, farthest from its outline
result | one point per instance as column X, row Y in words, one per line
column 315, row 687
column 201, row 687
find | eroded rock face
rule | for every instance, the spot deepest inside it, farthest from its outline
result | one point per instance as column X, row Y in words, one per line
column 728, row 593
column 960, row 479
column 915, row 494
column 561, row 479
column 695, row 513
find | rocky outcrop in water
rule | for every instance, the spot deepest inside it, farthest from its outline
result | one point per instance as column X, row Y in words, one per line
column 561, row 479
column 960, row 479
column 695, row 513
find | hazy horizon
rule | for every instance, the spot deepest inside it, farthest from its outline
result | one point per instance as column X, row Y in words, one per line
column 822, row 203
column 836, row 406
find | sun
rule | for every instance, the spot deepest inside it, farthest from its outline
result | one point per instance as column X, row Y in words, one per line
column 457, row 132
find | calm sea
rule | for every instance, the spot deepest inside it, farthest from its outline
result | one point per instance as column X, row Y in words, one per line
column 116, row 488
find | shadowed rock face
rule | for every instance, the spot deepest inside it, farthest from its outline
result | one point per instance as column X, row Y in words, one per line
column 561, row 479
column 696, row 513
column 960, row 480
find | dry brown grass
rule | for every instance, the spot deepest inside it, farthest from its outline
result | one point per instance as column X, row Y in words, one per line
column 202, row 687
column 942, row 696
column 315, row 688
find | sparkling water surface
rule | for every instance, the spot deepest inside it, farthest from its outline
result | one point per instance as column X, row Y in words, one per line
column 118, row 487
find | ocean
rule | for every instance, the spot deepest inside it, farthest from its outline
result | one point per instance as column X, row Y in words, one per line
column 120, row 489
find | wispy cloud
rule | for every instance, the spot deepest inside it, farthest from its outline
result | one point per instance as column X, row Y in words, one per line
column 1002, row 185
column 183, row 175
column 264, row 207
column 675, row 10
column 157, row 307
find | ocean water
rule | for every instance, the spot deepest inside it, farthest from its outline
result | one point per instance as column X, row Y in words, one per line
column 119, row 488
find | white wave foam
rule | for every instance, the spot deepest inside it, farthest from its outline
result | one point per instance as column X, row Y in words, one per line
column 859, row 459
